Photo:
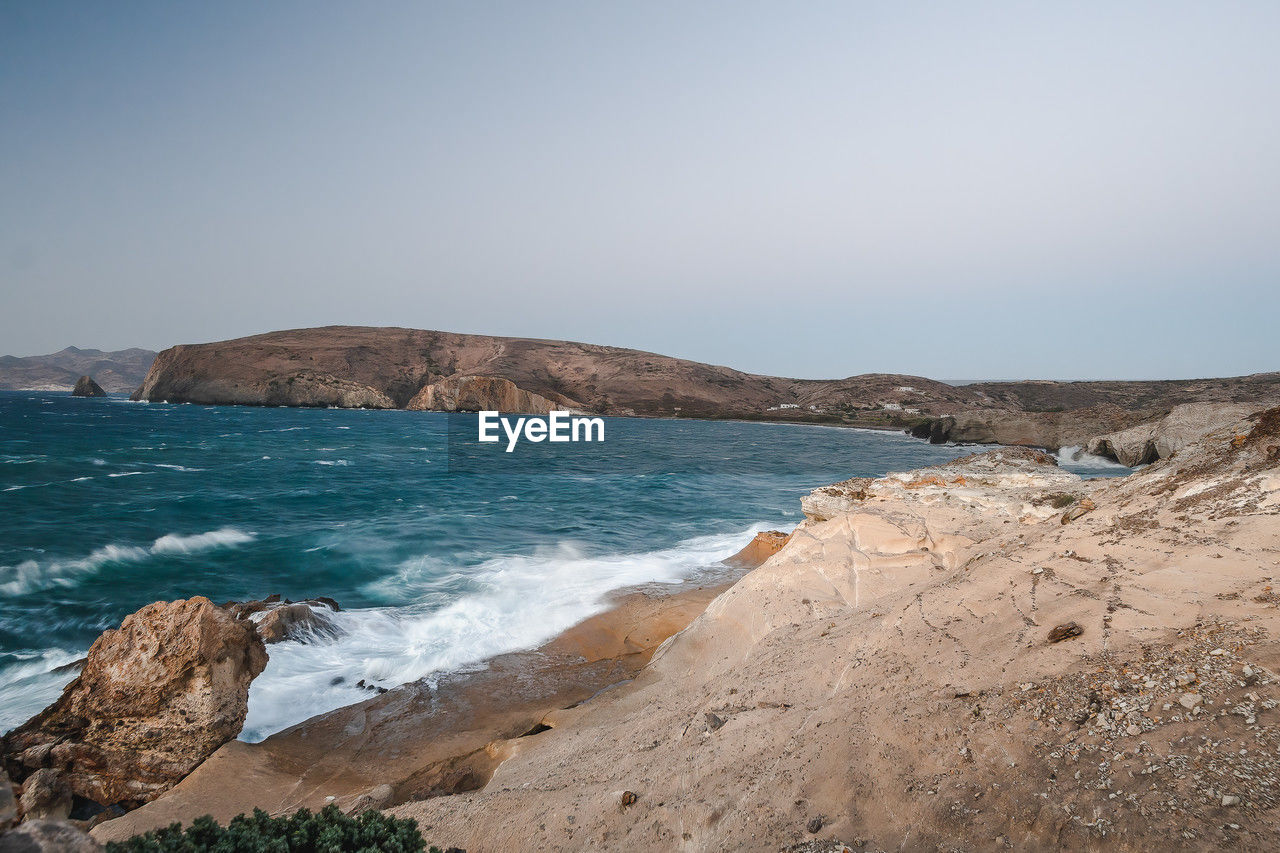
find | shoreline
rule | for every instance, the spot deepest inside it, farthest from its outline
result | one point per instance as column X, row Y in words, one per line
column 416, row 742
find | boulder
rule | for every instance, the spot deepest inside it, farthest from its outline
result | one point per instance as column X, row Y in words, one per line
column 8, row 803
column 45, row 796
column 86, row 387
column 298, row 621
column 483, row 393
column 278, row 619
column 156, row 696
column 47, row 836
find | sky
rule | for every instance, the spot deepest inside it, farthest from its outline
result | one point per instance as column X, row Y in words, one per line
column 811, row 189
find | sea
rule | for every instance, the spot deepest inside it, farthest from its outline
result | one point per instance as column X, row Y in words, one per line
column 441, row 556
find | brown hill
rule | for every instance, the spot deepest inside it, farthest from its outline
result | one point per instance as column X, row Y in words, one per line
column 117, row 372
column 387, row 367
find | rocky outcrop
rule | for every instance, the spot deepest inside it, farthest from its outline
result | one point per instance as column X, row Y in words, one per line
column 482, row 393
column 1015, row 482
column 86, row 387
column 1161, row 438
column 762, row 547
column 156, row 696
column 277, row 619
column 1051, row 430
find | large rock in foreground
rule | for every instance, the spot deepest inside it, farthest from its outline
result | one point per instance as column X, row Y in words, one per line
column 482, row 393
column 155, row 698
column 86, row 387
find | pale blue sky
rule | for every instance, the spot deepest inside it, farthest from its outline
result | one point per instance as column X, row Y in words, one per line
column 808, row 189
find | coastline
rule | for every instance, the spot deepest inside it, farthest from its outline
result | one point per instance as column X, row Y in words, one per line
column 989, row 651
column 416, row 741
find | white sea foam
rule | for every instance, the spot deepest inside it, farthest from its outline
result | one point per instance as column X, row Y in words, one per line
column 226, row 537
column 515, row 603
column 340, row 462
column 32, row 575
column 1075, row 459
column 31, row 684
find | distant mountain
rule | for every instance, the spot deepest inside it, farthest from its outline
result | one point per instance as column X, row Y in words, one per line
column 357, row 366
column 117, row 372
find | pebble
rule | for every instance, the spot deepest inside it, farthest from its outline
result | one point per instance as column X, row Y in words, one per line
column 1230, row 800
column 1190, row 700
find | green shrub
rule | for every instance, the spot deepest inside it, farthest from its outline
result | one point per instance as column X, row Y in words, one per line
column 330, row 831
column 1064, row 500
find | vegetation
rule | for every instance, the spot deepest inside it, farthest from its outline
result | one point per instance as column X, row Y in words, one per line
column 1062, row 501
column 330, row 831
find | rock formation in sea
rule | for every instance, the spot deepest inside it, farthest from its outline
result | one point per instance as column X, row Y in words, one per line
column 277, row 619
column 156, row 696
column 86, row 387
column 483, row 393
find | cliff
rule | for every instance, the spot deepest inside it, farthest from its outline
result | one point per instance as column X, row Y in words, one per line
column 389, row 367
column 484, row 393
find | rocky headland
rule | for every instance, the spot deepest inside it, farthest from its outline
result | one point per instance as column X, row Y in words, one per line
column 354, row 366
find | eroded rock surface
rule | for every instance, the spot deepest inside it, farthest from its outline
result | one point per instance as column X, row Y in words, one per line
column 1161, row 438
column 156, row 696
column 483, row 393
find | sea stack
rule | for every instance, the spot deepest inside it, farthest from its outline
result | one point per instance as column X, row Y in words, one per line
column 86, row 387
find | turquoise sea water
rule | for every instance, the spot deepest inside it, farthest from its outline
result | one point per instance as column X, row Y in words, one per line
column 107, row 505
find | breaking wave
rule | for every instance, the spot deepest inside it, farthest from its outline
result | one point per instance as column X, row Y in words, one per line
column 32, row 575
column 511, row 603
column 1076, row 460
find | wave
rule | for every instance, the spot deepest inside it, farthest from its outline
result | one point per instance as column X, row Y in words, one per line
column 1076, row 460
column 30, row 682
column 32, row 575
column 506, row 604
